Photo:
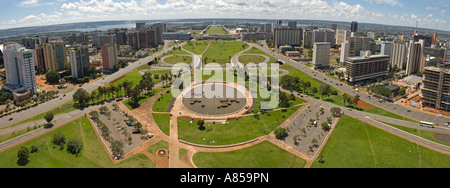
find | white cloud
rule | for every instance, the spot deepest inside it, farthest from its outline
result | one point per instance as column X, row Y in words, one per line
column 33, row 3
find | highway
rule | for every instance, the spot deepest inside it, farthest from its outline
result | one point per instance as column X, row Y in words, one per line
column 41, row 108
column 398, row 109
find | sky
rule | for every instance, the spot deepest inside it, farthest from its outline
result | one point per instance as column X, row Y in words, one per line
column 431, row 14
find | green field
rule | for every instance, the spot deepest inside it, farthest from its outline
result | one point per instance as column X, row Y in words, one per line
column 216, row 30
column 178, row 59
column 234, row 131
column 196, row 47
column 262, row 155
column 221, row 52
column 163, row 122
column 93, row 155
column 354, row 144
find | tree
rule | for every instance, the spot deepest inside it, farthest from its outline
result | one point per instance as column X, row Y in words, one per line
column 74, row 146
column 325, row 126
column 23, row 154
column 59, row 139
column 117, row 147
column 346, row 98
column 314, row 90
column 48, row 117
column 52, row 77
column 81, row 96
column 280, row 133
column 336, row 111
column 355, row 99
column 325, row 90
column 201, row 125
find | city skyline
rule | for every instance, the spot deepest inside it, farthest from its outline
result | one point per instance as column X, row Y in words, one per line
column 429, row 14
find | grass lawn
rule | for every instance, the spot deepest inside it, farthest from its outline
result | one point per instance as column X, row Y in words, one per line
column 196, row 47
column 262, row 155
column 256, row 59
column 163, row 122
column 258, row 51
column 163, row 102
column 178, row 59
column 221, row 51
column 155, row 147
column 216, row 30
column 193, row 31
column 92, row 155
column 422, row 133
column 355, row 144
column 234, row 131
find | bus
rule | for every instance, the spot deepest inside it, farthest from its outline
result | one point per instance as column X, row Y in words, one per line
column 426, row 124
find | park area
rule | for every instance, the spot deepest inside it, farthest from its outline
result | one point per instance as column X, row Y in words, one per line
column 216, row 30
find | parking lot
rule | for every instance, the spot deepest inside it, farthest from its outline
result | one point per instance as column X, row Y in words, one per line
column 305, row 136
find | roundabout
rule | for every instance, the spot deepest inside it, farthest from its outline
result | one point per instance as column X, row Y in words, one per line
column 213, row 101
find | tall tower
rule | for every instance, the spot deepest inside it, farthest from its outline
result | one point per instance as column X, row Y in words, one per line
column 19, row 68
column 354, row 28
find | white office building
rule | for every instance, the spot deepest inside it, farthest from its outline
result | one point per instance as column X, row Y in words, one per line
column 19, row 69
column 321, row 55
column 345, row 52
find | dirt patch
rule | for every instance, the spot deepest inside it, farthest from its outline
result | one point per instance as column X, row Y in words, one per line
column 442, row 137
column 114, row 81
column 364, row 105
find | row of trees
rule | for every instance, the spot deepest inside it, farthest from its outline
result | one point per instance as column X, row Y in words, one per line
column 145, row 85
column 296, row 84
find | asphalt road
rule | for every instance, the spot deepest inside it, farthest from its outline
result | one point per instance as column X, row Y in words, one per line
column 31, row 112
column 398, row 109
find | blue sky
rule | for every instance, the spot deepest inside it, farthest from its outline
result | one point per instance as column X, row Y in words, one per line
column 22, row 13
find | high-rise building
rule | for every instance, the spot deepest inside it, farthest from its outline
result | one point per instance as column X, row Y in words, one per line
column 398, row 55
column 132, row 40
column 39, row 59
column 322, row 35
column 55, row 56
column 33, row 42
column 341, row 36
column 345, row 52
column 358, row 44
column 414, row 58
column 386, row 48
column 19, row 69
column 79, row 62
column 109, row 57
column 78, row 38
column 140, row 26
column 321, row 54
column 333, row 26
column 372, row 35
column 363, row 68
column 268, row 28
column 292, row 24
column 354, row 28
column 288, row 36
column 434, row 92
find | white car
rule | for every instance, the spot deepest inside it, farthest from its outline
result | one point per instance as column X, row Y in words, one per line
column 150, row 135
